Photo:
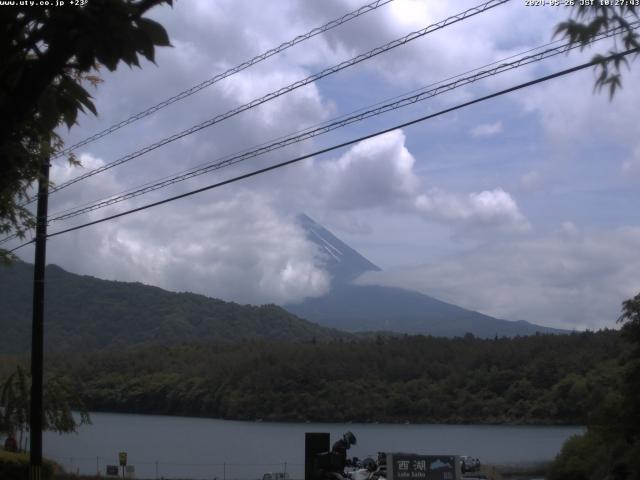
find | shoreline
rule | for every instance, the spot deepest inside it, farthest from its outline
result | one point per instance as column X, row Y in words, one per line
column 341, row 422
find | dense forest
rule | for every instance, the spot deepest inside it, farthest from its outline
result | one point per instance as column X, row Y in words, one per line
column 85, row 313
column 543, row 379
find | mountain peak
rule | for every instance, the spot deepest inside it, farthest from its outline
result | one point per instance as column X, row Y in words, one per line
column 358, row 308
column 342, row 262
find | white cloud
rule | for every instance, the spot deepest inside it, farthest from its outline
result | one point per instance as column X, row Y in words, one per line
column 63, row 171
column 486, row 129
column 240, row 243
column 476, row 41
column 379, row 173
column 236, row 248
column 488, row 208
column 373, row 173
column 567, row 279
column 83, row 192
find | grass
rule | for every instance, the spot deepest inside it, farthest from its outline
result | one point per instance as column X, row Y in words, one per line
column 522, row 471
column 16, row 466
column 13, row 457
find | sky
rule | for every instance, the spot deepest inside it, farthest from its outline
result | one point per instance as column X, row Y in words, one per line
column 523, row 207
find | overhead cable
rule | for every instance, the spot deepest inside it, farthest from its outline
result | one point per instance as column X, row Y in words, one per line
column 207, row 83
column 545, row 78
column 378, row 109
column 284, row 90
column 324, row 127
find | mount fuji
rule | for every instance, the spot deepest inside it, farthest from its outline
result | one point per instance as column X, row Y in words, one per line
column 358, row 308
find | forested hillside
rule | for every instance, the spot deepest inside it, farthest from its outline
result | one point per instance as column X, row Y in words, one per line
column 85, row 313
column 543, row 379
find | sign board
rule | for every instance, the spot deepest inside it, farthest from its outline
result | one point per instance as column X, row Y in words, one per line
column 122, row 456
column 421, row 467
column 112, row 470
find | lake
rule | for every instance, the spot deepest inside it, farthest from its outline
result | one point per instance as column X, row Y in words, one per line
column 180, row 447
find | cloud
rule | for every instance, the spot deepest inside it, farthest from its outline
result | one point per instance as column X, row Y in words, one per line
column 487, row 208
column 569, row 229
column 631, row 166
column 530, row 181
column 240, row 243
column 570, row 278
column 231, row 244
column 373, row 173
column 84, row 191
column 379, row 173
column 567, row 108
column 486, row 129
column 471, row 43
column 235, row 248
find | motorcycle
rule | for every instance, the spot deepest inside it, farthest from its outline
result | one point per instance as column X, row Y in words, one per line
column 368, row 469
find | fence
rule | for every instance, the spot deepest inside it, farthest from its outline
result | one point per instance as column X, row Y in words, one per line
column 168, row 469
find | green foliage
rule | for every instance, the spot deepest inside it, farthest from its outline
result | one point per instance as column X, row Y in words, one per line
column 15, row 466
column 14, row 402
column 58, row 401
column 593, row 457
column 587, row 21
column 417, row 379
column 630, row 319
column 49, row 54
column 610, row 449
column 86, row 313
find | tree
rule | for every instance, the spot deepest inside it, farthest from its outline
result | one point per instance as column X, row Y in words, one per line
column 587, row 21
column 49, row 55
column 610, row 448
column 58, row 402
column 630, row 319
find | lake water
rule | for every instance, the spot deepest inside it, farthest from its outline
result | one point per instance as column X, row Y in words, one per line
column 179, row 447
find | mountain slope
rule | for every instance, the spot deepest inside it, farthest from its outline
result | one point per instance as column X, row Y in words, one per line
column 358, row 308
column 343, row 263
column 85, row 313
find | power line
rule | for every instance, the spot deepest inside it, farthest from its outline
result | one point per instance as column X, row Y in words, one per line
column 311, row 127
column 344, row 144
column 412, row 36
column 284, row 90
column 10, row 237
column 257, row 59
column 380, row 108
column 194, row 171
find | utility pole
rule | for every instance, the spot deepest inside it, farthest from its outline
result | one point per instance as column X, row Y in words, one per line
column 37, row 331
